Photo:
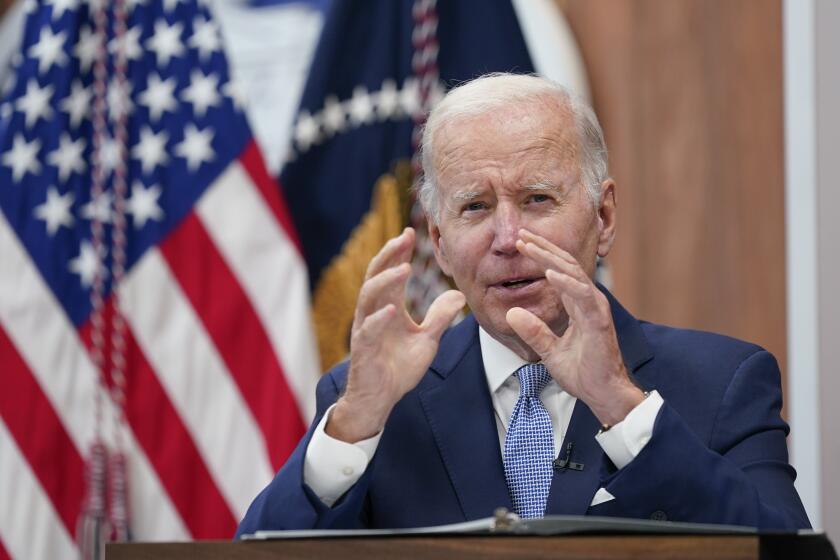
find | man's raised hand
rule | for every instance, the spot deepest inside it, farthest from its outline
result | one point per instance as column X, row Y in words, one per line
column 585, row 360
column 389, row 352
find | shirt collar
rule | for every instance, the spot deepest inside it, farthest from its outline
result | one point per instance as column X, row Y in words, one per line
column 500, row 362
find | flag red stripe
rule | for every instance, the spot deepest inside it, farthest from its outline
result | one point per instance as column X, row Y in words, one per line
column 169, row 447
column 40, row 435
column 253, row 163
column 4, row 555
column 232, row 323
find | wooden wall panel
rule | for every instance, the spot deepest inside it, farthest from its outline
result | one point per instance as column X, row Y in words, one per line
column 690, row 96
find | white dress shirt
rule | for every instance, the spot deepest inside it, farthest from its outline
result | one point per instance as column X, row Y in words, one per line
column 331, row 466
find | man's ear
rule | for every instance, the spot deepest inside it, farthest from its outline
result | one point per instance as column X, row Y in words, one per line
column 607, row 210
column 439, row 247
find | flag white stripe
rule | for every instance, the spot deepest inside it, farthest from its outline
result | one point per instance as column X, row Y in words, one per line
column 198, row 383
column 263, row 258
column 25, row 526
column 35, row 321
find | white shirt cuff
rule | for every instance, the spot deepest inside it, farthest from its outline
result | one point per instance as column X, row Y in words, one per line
column 332, row 466
column 624, row 441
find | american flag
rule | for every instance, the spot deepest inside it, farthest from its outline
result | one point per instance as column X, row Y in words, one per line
column 148, row 264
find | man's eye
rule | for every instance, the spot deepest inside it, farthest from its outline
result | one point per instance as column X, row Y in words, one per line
column 539, row 198
column 474, row 206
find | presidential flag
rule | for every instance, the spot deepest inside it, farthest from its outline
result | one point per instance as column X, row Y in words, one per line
column 379, row 67
column 154, row 303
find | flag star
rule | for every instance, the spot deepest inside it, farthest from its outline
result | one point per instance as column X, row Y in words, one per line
column 35, row 103
column 61, row 6
column 307, row 131
column 99, row 208
column 166, row 42
column 333, row 115
column 68, row 156
column 143, row 204
column 202, row 92
column 158, row 96
column 77, row 104
column 232, row 90
column 388, row 100
column 205, row 38
column 410, row 98
column 195, row 147
column 151, row 149
column 110, row 154
column 361, row 107
column 130, row 43
column 119, row 99
column 86, row 48
column 30, row 6
column 49, row 49
column 86, row 264
column 55, row 211
column 23, row 157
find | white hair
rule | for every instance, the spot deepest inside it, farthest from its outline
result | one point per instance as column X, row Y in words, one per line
column 494, row 91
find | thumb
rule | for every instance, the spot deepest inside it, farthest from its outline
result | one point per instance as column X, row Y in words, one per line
column 532, row 330
column 442, row 312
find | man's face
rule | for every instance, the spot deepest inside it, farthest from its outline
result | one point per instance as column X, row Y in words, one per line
column 510, row 169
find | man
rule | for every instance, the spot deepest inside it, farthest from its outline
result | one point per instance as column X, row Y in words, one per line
column 423, row 427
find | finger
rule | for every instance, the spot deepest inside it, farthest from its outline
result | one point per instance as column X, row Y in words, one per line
column 442, row 312
column 582, row 302
column 386, row 287
column 572, row 309
column 530, row 237
column 532, row 330
column 375, row 325
column 571, row 285
column 551, row 260
column 397, row 250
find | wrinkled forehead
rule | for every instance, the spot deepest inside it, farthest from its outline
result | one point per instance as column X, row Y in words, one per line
column 536, row 138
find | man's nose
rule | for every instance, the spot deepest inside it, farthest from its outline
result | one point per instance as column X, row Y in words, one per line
column 506, row 226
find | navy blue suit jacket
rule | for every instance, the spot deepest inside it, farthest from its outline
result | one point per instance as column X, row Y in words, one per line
column 717, row 453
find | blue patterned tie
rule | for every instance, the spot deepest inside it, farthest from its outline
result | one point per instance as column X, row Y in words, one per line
column 529, row 445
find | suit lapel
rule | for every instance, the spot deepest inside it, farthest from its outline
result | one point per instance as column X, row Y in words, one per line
column 572, row 490
column 460, row 412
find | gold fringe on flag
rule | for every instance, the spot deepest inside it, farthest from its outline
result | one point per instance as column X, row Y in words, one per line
column 334, row 301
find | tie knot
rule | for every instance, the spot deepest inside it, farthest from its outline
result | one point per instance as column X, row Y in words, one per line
column 532, row 379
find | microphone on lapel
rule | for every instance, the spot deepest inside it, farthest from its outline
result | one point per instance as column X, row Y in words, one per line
column 566, row 462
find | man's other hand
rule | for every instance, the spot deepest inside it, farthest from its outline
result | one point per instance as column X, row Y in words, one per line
column 389, row 352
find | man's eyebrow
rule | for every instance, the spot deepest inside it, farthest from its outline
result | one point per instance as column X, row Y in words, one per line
column 543, row 187
column 465, row 196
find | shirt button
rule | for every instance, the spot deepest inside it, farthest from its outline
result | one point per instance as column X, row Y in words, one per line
column 347, row 471
column 659, row 515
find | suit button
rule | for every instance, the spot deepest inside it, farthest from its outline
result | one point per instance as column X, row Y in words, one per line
column 659, row 515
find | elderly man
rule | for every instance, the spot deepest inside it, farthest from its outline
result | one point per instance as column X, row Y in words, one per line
column 550, row 398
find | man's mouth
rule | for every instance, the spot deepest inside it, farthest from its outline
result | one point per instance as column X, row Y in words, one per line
column 515, row 283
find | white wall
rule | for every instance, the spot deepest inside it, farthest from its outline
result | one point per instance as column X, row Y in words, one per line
column 812, row 201
column 828, row 254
